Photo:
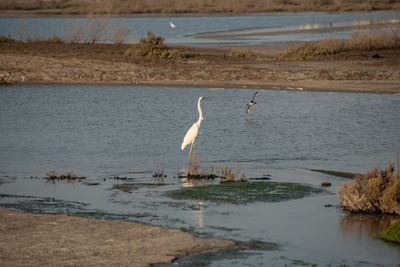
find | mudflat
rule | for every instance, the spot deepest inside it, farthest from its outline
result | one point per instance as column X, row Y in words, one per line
column 52, row 62
column 62, row 240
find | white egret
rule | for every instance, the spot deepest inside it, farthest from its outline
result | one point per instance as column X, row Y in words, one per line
column 252, row 102
column 192, row 133
column 172, row 25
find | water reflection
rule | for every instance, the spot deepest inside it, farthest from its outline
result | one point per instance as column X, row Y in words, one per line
column 364, row 226
column 197, row 212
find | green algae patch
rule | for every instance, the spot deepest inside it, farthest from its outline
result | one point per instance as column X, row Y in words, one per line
column 242, row 193
column 392, row 233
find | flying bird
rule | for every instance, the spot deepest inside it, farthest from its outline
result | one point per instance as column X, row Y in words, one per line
column 193, row 132
column 172, row 25
column 252, row 102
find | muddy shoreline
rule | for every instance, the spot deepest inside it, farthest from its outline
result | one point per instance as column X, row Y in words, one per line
column 50, row 240
column 46, row 62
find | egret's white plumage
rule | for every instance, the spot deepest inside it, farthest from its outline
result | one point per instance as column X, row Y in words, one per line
column 172, row 25
column 193, row 132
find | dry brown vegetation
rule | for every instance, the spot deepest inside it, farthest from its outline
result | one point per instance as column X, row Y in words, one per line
column 235, row 52
column 376, row 191
column 224, row 173
column 194, row 6
column 152, row 47
column 52, row 176
column 360, row 42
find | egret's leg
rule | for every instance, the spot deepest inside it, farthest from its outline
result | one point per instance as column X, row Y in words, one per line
column 190, row 153
column 194, row 152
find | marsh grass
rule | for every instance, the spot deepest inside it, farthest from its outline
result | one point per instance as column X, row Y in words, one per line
column 52, row 176
column 360, row 42
column 377, row 191
column 152, row 47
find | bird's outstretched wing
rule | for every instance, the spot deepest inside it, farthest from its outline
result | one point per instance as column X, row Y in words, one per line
column 254, row 97
column 252, row 102
column 248, row 108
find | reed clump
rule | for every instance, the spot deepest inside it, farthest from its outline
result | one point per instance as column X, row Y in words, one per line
column 360, row 42
column 152, row 47
column 159, row 173
column 224, row 173
column 377, row 191
column 52, row 176
column 194, row 171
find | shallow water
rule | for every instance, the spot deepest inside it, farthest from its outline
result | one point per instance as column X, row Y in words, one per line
column 102, row 131
column 188, row 27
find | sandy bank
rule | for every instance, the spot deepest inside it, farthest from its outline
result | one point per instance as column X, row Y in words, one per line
column 203, row 66
column 61, row 240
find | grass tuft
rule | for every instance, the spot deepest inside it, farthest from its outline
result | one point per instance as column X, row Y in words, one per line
column 392, row 233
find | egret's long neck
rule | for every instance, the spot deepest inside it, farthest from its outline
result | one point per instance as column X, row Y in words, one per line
column 200, row 112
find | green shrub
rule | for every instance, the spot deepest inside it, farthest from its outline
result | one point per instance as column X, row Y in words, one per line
column 392, row 233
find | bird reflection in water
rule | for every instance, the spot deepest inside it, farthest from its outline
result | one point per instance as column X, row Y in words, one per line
column 197, row 212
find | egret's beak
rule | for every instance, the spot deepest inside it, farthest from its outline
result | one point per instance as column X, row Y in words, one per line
column 205, row 97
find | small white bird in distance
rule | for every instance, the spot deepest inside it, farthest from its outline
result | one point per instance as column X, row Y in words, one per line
column 252, row 102
column 172, row 25
column 193, row 132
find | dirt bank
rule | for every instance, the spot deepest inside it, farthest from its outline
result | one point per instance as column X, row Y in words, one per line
column 61, row 240
column 42, row 62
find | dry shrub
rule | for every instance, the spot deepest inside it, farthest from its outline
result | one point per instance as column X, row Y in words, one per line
column 240, row 53
column 91, row 32
column 360, row 42
column 119, row 34
column 365, row 41
column 152, row 47
column 6, row 39
column 376, row 191
column 303, row 51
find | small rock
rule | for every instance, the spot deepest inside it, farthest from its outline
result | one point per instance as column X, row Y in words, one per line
column 326, row 184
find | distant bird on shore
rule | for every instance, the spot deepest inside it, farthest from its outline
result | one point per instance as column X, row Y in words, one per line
column 172, row 25
column 252, row 102
column 192, row 133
